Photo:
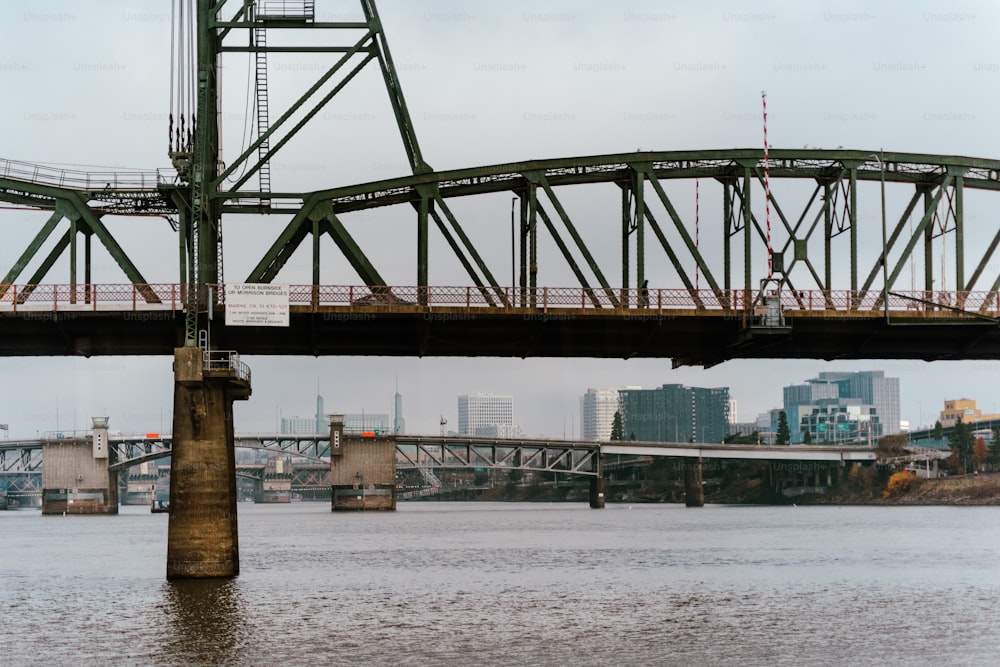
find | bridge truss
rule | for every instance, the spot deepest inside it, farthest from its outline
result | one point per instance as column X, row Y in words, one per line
column 838, row 243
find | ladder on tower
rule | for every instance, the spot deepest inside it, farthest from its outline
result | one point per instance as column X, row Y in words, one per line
column 264, row 172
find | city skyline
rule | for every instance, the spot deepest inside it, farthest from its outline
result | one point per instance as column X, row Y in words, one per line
column 540, row 413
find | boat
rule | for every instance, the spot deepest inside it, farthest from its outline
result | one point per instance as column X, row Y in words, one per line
column 160, row 498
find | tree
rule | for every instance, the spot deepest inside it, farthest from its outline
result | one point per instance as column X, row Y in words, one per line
column 900, row 483
column 893, row 445
column 617, row 429
column 737, row 439
column 784, row 435
column 993, row 457
column 962, row 444
column 938, row 431
column 807, row 438
column 980, row 453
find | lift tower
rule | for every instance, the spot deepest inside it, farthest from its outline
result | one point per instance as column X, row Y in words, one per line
column 202, row 539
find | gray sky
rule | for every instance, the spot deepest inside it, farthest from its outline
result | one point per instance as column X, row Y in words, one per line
column 87, row 83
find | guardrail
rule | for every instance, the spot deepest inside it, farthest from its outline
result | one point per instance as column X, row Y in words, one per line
column 226, row 360
column 635, row 301
column 113, row 297
column 89, row 181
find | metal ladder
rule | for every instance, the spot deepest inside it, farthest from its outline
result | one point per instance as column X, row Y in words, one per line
column 264, row 173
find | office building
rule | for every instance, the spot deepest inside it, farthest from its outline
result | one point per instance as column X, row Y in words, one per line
column 398, row 423
column 675, row 413
column 487, row 416
column 307, row 425
column 964, row 409
column 862, row 405
column 597, row 413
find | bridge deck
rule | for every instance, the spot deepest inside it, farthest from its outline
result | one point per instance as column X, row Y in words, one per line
column 690, row 326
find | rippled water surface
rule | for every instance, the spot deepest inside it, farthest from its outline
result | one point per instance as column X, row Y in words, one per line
column 484, row 583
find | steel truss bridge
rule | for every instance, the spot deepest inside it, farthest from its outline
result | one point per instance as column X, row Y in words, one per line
column 789, row 253
column 416, row 452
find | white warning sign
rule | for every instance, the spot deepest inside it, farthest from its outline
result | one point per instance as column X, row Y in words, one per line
column 256, row 305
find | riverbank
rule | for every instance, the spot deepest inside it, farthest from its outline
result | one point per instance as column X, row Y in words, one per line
column 981, row 489
column 972, row 490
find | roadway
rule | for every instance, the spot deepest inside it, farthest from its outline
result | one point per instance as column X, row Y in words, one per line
column 415, row 451
column 672, row 327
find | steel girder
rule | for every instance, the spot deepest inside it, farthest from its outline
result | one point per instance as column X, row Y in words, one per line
column 70, row 205
column 130, row 451
column 23, row 457
column 804, row 246
column 831, row 210
column 22, row 482
column 417, row 453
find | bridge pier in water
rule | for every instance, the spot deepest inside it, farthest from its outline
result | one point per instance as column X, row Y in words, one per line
column 275, row 486
column 202, row 538
column 694, row 492
column 75, row 477
column 362, row 470
column 597, row 483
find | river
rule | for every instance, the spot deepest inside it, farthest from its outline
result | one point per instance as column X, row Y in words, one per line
column 513, row 584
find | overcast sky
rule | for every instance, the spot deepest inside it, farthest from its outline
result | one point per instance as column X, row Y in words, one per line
column 87, row 83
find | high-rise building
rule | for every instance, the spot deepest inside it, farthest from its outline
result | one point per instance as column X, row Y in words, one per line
column 597, row 413
column 839, row 420
column 486, row 415
column 398, row 423
column 840, row 406
column 873, row 388
column 365, row 422
column 964, row 409
column 675, row 413
column 307, row 425
column 810, row 392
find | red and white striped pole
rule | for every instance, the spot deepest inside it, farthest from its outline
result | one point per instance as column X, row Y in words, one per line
column 767, row 186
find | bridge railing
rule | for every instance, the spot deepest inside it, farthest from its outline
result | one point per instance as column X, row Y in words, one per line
column 112, row 297
column 226, row 360
column 90, row 181
column 633, row 301
column 593, row 298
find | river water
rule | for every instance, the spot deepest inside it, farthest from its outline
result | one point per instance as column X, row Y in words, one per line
column 513, row 584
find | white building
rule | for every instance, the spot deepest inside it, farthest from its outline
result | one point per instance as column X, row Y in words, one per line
column 597, row 413
column 486, row 415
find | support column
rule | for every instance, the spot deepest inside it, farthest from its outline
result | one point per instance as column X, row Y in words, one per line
column 362, row 470
column 75, row 477
column 597, row 493
column 597, row 485
column 694, row 493
column 276, row 486
column 202, row 536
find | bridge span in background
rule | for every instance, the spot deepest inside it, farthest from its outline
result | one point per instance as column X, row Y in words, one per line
column 419, row 451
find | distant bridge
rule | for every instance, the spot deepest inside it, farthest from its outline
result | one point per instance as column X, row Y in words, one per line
column 417, row 451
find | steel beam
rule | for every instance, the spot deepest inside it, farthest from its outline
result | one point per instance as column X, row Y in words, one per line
column 591, row 262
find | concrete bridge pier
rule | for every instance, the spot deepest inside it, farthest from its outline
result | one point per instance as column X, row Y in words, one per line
column 75, row 477
column 362, row 470
column 202, row 536
column 597, row 483
column 694, row 492
column 276, row 484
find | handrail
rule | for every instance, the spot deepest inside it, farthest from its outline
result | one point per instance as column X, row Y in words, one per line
column 89, row 181
column 159, row 300
column 220, row 360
